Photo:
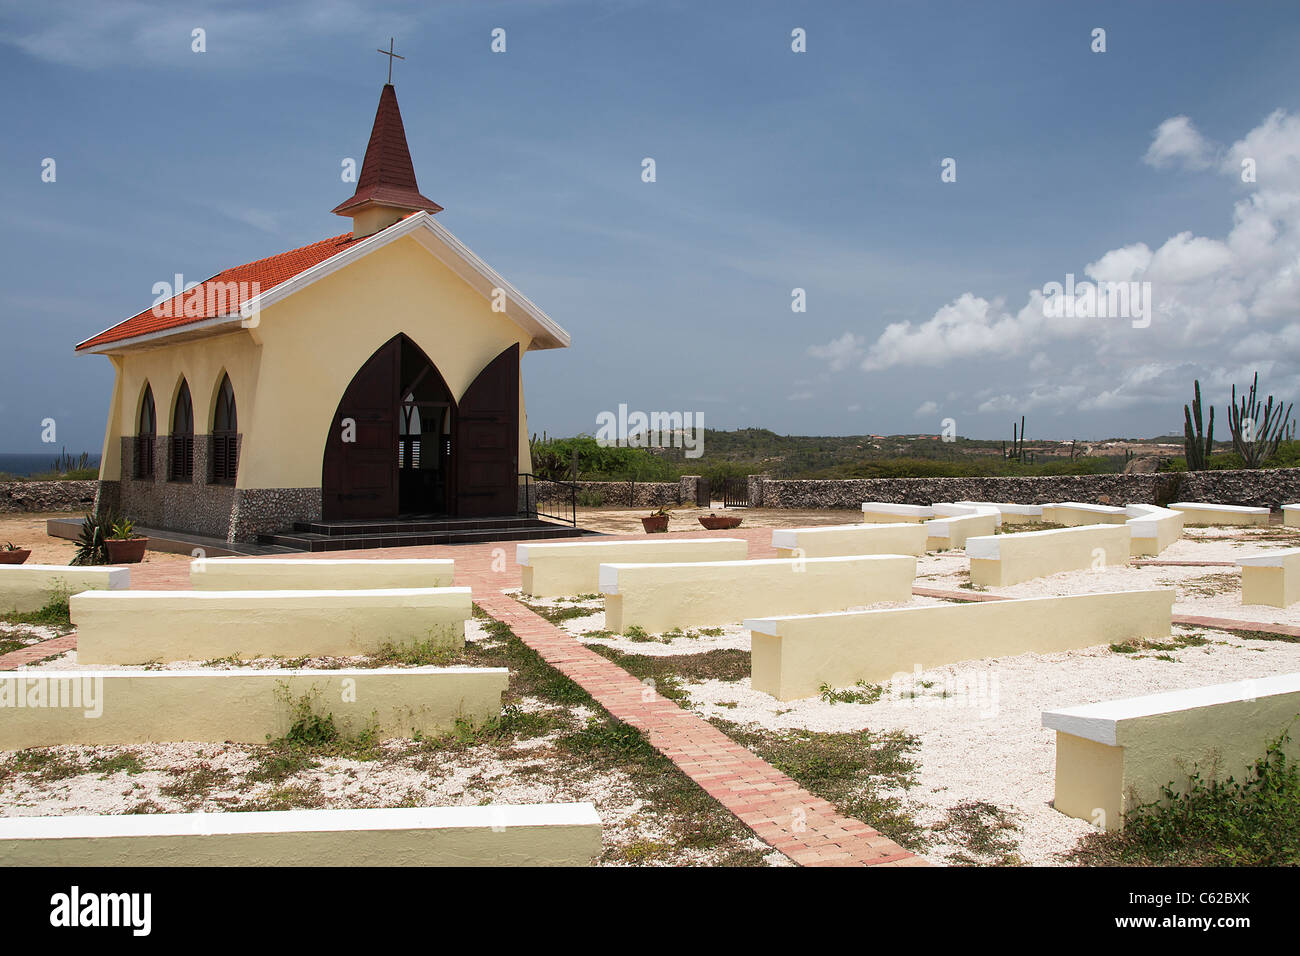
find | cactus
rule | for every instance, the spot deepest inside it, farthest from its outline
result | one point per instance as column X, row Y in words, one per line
column 1256, row 438
column 1197, row 444
column 1017, row 442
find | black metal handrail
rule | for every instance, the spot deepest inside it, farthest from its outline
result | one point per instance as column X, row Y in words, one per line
column 548, row 498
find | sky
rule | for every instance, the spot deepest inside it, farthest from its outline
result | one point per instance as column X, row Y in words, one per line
column 921, row 171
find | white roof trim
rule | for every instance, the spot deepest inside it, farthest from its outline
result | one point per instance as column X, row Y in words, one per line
column 426, row 230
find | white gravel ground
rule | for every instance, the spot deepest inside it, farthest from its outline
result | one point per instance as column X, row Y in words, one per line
column 979, row 723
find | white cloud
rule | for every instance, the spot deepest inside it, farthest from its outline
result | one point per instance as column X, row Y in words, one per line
column 157, row 32
column 1186, row 258
column 1222, row 306
column 1120, row 265
column 925, row 409
column 840, row 353
column 1178, row 141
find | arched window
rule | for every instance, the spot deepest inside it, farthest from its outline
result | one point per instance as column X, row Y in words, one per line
column 225, row 435
column 182, row 438
column 146, row 429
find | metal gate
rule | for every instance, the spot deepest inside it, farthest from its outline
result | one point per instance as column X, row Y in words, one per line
column 735, row 493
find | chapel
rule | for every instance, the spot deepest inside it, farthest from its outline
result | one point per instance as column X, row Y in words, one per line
column 369, row 376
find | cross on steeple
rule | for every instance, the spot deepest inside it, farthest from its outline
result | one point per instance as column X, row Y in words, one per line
column 391, row 56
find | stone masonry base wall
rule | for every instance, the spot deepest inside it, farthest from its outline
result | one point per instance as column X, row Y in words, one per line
column 39, row 496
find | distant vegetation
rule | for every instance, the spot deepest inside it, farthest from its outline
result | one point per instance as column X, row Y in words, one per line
column 1287, row 456
column 747, row 451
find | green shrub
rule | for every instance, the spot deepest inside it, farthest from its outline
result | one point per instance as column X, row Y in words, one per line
column 1252, row 822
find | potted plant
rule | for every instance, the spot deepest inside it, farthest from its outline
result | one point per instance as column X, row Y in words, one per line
column 14, row 555
column 124, row 545
column 718, row 522
column 656, row 522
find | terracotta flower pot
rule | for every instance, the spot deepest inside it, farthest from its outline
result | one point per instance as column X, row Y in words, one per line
column 719, row 522
column 16, row 556
column 655, row 523
column 128, row 551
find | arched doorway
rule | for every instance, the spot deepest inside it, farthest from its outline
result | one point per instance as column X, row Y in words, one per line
column 400, row 444
column 389, row 450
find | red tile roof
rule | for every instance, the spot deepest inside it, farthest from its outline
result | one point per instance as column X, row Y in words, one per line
column 387, row 175
column 224, row 293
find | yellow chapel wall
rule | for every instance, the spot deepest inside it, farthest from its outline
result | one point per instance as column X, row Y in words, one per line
column 201, row 363
column 314, row 342
column 290, row 371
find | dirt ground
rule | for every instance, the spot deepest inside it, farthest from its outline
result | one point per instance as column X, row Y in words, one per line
column 684, row 518
column 28, row 531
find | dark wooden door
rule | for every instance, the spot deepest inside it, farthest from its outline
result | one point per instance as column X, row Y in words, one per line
column 486, row 449
column 360, row 476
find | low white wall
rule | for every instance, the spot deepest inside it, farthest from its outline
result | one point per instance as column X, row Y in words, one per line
column 48, row 708
column 659, row 597
column 135, row 627
column 1005, row 559
column 294, row 574
column 884, row 512
column 564, row 568
column 825, row 541
column 1072, row 513
column 1272, row 578
column 1011, row 513
column 794, row 655
column 554, row 834
column 1202, row 514
column 1114, row 755
column 1153, row 528
column 29, row 587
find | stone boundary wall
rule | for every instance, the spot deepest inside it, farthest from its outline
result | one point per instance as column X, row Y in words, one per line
column 639, row 494
column 1268, row 488
column 38, row 496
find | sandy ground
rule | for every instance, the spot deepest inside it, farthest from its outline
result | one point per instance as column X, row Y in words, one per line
column 685, row 518
column 28, row 531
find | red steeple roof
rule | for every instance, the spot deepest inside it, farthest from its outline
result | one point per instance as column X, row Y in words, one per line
column 387, row 176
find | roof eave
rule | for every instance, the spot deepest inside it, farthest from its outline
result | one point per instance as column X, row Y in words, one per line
column 194, row 330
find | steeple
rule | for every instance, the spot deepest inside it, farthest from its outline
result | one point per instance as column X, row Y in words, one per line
column 386, row 189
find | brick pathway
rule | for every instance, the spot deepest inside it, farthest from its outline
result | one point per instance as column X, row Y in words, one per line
column 805, row 828
column 34, row 653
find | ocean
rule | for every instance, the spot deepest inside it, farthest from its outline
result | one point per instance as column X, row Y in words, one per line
column 22, row 465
